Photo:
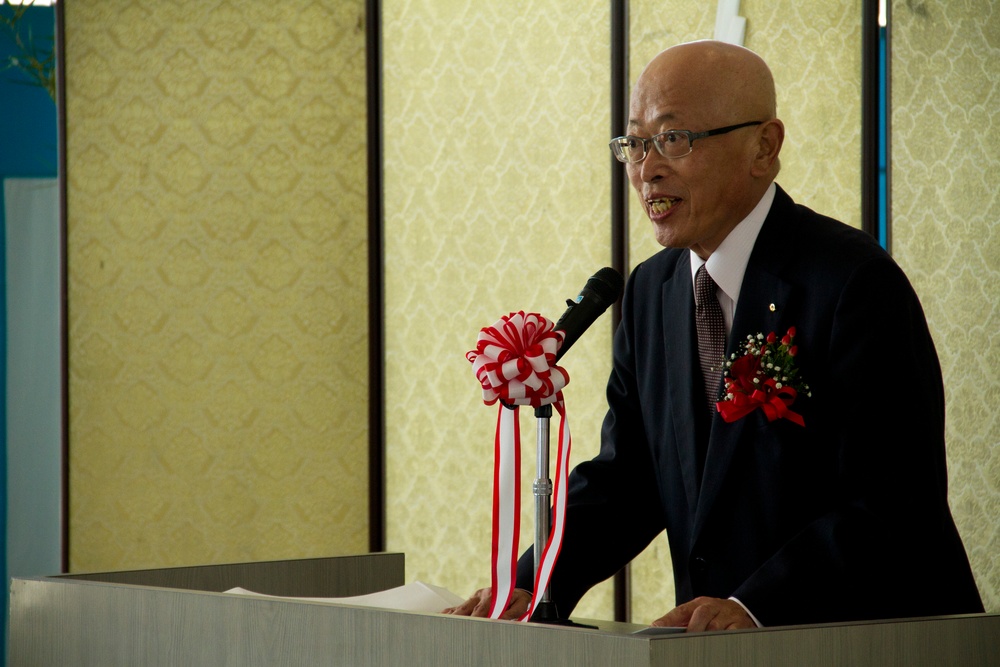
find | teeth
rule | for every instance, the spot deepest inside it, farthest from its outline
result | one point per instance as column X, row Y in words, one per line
column 661, row 205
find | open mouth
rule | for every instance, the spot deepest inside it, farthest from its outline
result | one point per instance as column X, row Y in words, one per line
column 659, row 206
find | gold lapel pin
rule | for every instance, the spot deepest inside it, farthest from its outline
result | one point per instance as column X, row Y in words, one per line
column 772, row 308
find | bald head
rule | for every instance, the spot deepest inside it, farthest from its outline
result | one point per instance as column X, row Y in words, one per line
column 724, row 82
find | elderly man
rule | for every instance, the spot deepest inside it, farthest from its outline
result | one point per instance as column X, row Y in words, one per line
column 787, row 505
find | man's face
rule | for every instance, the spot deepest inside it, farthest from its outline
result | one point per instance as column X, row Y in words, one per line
column 696, row 200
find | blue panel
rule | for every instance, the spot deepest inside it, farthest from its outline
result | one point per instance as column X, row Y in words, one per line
column 28, row 137
column 883, row 141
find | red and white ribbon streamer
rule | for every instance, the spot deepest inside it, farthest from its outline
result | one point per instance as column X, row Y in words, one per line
column 514, row 362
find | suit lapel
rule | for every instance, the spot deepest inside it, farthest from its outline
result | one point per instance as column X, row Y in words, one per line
column 678, row 306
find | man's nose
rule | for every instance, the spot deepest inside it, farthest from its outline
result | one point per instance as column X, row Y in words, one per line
column 652, row 167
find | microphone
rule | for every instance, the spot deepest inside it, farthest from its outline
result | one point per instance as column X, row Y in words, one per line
column 602, row 289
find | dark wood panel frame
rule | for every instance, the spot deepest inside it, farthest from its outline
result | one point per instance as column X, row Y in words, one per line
column 870, row 111
column 59, row 43
column 376, row 288
column 622, row 586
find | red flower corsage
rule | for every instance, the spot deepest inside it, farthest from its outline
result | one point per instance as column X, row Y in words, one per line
column 763, row 376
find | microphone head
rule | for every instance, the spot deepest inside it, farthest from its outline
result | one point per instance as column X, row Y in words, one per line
column 608, row 284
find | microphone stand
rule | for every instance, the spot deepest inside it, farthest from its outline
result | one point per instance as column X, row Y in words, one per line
column 545, row 610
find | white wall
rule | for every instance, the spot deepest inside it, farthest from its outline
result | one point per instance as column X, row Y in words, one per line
column 34, row 419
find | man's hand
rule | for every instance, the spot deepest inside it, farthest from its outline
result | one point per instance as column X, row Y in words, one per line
column 707, row 614
column 480, row 602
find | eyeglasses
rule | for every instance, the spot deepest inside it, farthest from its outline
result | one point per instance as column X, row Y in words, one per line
column 670, row 144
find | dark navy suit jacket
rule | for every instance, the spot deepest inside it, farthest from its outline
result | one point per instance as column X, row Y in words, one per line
column 846, row 518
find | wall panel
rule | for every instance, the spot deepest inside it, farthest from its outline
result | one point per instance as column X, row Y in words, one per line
column 496, row 200
column 217, row 281
column 946, row 234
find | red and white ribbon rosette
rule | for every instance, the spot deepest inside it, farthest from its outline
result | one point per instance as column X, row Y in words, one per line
column 514, row 362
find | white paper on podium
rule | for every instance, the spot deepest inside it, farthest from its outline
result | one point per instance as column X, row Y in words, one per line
column 417, row 596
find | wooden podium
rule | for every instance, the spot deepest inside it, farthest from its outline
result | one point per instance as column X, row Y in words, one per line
column 179, row 616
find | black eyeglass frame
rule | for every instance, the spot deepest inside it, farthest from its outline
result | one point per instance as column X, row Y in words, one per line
column 691, row 136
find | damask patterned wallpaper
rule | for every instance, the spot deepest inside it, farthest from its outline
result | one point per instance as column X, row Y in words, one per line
column 217, row 281
column 946, row 235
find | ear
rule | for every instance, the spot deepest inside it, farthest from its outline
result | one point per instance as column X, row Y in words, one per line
column 770, row 136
